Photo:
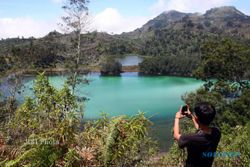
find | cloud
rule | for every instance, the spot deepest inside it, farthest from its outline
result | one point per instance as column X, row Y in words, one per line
column 26, row 27
column 57, row 1
column 187, row 5
column 111, row 21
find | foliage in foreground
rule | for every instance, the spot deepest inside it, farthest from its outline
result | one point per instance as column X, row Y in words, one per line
column 47, row 130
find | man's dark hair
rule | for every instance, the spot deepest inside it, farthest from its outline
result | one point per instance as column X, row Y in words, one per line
column 205, row 112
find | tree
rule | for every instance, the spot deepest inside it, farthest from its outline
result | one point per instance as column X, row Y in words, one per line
column 3, row 65
column 45, row 125
column 111, row 67
column 15, row 84
column 75, row 21
column 150, row 66
column 226, row 60
column 15, row 80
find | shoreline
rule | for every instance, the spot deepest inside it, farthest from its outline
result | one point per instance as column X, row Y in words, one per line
column 63, row 71
column 89, row 70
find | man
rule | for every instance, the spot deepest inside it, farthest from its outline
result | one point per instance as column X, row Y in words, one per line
column 206, row 138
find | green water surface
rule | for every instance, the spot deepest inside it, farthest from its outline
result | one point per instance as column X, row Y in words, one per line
column 158, row 96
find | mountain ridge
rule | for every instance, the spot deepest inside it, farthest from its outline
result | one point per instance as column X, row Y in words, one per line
column 218, row 17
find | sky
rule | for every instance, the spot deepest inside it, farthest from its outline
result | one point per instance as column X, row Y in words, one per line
column 26, row 18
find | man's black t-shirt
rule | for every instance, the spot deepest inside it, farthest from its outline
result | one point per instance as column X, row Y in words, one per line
column 199, row 143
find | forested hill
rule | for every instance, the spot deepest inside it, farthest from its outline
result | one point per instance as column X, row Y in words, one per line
column 225, row 19
column 173, row 37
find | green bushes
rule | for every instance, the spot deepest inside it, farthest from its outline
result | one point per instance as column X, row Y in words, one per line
column 3, row 65
column 170, row 65
column 47, row 130
column 224, row 59
column 111, row 67
column 234, row 139
column 120, row 141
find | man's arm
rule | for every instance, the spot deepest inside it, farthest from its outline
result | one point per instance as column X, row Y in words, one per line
column 183, row 140
column 177, row 134
column 178, row 116
column 196, row 125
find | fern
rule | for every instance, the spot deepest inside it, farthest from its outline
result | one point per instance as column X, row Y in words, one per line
column 110, row 141
column 71, row 158
column 19, row 160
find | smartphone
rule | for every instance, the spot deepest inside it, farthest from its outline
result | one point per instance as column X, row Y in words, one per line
column 184, row 109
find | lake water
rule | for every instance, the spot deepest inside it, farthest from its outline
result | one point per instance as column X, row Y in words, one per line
column 130, row 60
column 158, row 96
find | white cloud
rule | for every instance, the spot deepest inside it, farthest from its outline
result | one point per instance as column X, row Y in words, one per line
column 26, row 27
column 188, row 5
column 111, row 21
column 57, row 1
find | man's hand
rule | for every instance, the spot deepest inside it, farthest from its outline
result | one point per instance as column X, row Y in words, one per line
column 189, row 115
column 179, row 115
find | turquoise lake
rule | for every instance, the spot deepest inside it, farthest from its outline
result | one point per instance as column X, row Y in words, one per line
column 158, row 96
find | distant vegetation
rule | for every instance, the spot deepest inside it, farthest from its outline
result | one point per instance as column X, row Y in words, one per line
column 182, row 66
column 111, row 67
column 177, row 41
column 225, row 59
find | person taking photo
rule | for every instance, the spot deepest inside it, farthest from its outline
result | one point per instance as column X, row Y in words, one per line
column 205, row 139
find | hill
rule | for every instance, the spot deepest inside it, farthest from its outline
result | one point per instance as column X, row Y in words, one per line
column 226, row 19
column 173, row 37
column 160, row 22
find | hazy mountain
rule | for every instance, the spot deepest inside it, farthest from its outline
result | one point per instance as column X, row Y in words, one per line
column 225, row 12
column 216, row 20
column 161, row 21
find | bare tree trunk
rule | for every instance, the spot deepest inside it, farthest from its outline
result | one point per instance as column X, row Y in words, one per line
column 78, row 54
